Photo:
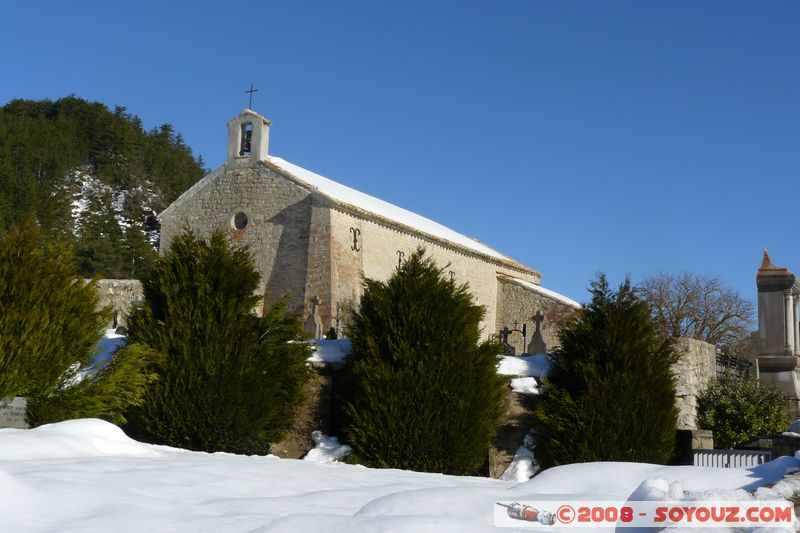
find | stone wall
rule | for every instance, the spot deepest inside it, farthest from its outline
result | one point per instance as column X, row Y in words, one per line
column 516, row 303
column 277, row 226
column 120, row 295
column 695, row 370
column 307, row 245
column 375, row 256
column 319, row 280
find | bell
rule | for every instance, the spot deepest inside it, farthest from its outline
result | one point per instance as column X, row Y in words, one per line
column 247, row 137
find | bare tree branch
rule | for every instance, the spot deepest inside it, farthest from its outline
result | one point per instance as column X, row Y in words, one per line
column 695, row 306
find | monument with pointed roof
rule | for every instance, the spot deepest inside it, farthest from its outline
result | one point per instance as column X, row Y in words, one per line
column 778, row 328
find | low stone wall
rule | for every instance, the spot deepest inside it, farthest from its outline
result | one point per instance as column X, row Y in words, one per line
column 120, row 295
column 516, row 303
column 779, row 445
column 688, row 440
column 695, row 370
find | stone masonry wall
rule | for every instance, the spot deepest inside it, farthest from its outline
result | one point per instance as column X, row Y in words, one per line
column 119, row 294
column 376, row 257
column 279, row 215
column 695, row 370
column 318, row 279
column 305, row 245
column 517, row 303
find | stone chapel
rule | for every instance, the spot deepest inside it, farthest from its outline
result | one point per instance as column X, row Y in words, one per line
column 314, row 240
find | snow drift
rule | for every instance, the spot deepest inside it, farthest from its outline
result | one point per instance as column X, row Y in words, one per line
column 86, row 475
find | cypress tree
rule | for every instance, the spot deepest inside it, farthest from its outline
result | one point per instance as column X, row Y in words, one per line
column 229, row 380
column 49, row 317
column 421, row 389
column 610, row 394
column 50, row 323
column 107, row 393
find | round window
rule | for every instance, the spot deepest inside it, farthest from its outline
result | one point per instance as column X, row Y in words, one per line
column 239, row 220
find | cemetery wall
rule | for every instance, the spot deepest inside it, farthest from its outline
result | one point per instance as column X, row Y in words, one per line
column 516, row 303
column 119, row 295
column 695, row 369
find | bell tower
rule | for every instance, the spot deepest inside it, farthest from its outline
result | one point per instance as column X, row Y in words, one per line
column 248, row 137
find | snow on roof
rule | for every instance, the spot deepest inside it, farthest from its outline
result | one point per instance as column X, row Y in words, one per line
column 544, row 292
column 365, row 202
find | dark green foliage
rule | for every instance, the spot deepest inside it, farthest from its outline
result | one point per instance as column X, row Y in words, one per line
column 739, row 411
column 610, row 395
column 49, row 326
column 48, row 147
column 48, row 315
column 229, row 380
column 422, row 392
column 115, row 388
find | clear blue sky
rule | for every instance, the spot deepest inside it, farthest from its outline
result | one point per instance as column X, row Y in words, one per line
column 630, row 137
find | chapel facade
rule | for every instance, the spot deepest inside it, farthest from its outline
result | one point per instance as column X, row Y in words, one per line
column 314, row 241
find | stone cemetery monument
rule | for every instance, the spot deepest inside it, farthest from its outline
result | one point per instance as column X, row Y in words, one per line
column 12, row 413
column 779, row 335
column 537, row 344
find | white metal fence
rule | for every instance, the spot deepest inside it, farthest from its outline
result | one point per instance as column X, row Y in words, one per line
column 730, row 458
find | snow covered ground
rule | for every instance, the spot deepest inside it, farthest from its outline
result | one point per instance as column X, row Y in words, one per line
column 523, row 365
column 86, row 475
column 107, row 347
column 334, row 351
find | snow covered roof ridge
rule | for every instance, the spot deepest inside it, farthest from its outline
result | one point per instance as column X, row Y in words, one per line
column 377, row 208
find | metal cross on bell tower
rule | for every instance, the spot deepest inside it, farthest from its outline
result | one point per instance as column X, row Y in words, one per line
column 251, row 91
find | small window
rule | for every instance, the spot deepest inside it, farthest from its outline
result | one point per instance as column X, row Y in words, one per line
column 239, row 221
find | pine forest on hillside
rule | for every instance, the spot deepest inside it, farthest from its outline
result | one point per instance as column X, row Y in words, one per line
column 93, row 176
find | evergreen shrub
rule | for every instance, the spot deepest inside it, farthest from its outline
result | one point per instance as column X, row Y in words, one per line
column 610, row 394
column 739, row 411
column 50, row 324
column 421, row 389
column 229, row 380
column 107, row 393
